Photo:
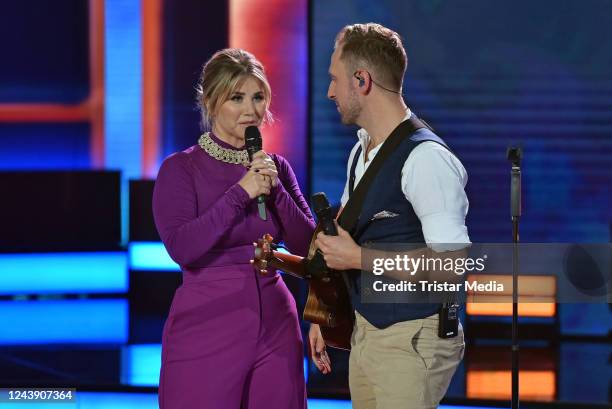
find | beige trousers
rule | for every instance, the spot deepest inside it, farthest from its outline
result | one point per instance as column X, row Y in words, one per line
column 402, row 366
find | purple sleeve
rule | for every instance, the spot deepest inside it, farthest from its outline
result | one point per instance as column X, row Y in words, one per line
column 293, row 212
column 186, row 235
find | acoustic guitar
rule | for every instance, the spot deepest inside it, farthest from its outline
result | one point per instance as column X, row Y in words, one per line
column 328, row 303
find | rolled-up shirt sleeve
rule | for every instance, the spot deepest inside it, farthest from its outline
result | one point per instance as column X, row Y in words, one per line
column 433, row 181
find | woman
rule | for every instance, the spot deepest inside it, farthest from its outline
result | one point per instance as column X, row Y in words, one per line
column 232, row 337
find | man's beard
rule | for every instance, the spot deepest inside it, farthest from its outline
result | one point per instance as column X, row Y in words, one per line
column 352, row 111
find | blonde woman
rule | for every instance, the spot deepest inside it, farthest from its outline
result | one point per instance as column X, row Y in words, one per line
column 232, row 338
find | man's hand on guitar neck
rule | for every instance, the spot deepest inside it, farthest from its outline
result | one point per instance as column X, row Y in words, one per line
column 340, row 252
column 318, row 353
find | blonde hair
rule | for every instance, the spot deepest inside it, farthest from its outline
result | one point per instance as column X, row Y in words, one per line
column 226, row 71
column 375, row 47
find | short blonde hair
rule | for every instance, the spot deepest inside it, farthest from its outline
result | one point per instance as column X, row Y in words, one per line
column 377, row 48
column 226, row 71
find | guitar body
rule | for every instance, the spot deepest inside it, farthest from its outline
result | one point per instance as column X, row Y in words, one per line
column 328, row 303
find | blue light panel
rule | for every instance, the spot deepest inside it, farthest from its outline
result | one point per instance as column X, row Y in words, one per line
column 140, row 365
column 52, row 146
column 123, row 93
column 123, row 86
column 150, row 256
column 66, row 321
column 63, row 273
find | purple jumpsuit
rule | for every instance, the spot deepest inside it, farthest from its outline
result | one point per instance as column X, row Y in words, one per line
column 232, row 338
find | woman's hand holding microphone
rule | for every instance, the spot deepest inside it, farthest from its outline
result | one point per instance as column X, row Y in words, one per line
column 261, row 177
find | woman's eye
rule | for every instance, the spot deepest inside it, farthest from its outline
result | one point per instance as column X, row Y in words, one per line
column 237, row 98
column 258, row 98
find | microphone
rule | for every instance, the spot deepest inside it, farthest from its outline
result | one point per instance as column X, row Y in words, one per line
column 323, row 211
column 515, row 155
column 252, row 138
column 316, row 267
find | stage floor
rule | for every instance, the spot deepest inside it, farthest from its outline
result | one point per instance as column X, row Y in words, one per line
column 570, row 374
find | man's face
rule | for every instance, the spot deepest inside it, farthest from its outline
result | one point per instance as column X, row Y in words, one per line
column 342, row 90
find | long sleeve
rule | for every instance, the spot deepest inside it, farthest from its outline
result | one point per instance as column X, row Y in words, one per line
column 186, row 235
column 292, row 209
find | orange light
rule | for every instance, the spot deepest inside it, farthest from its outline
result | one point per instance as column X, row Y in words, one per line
column 96, row 87
column 505, row 309
column 45, row 112
column 274, row 31
column 536, row 296
column 151, row 85
column 528, row 286
column 533, row 385
column 90, row 109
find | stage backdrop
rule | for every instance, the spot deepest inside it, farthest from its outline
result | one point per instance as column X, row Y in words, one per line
column 486, row 75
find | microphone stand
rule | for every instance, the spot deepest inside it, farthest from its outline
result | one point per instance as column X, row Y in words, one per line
column 515, row 155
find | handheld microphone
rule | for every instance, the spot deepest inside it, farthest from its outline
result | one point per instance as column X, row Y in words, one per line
column 316, row 267
column 323, row 210
column 252, row 138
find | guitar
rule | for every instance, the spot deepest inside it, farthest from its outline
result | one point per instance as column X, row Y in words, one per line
column 328, row 303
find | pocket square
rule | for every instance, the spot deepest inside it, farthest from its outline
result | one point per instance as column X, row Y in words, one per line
column 385, row 214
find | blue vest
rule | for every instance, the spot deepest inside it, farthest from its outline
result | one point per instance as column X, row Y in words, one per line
column 385, row 193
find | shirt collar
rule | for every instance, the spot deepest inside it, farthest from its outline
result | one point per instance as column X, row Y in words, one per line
column 364, row 138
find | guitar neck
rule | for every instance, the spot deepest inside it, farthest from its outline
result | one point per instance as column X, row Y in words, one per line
column 289, row 263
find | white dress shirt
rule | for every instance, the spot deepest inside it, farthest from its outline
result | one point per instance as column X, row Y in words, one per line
column 433, row 181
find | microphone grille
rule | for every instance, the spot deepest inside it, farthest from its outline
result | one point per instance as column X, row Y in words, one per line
column 252, row 138
column 319, row 202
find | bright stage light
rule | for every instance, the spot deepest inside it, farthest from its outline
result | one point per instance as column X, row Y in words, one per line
column 63, row 322
column 150, row 256
column 140, row 364
column 63, row 273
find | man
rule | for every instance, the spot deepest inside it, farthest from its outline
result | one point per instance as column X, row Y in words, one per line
column 397, row 359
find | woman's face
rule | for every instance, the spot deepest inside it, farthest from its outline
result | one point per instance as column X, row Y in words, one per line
column 245, row 107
